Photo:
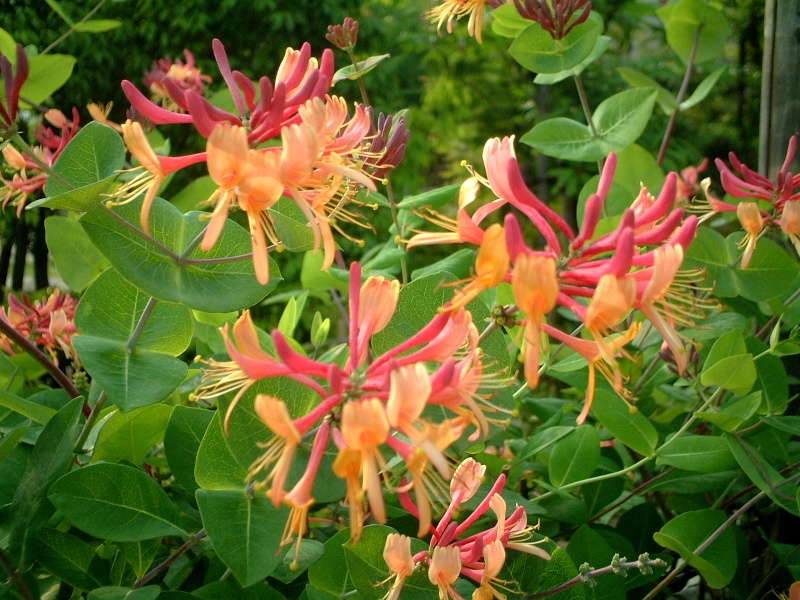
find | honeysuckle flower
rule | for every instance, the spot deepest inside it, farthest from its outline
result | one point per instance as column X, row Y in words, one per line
column 397, row 554
column 444, row 570
column 299, row 498
column 749, row 216
column 152, row 171
column 344, row 36
column 535, row 286
column 100, row 113
column 556, row 18
column 47, row 323
column 13, row 80
column 491, row 267
column 601, row 356
column 374, row 404
column 790, row 222
column 26, row 175
column 181, row 75
column 479, row 556
column 449, row 10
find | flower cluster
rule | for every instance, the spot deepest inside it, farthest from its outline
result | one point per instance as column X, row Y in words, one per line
column 364, row 405
column 449, row 10
column 47, row 323
column 478, row 557
column 782, row 197
column 167, row 75
column 326, row 155
column 24, row 176
column 555, row 17
column 344, row 36
column 599, row 279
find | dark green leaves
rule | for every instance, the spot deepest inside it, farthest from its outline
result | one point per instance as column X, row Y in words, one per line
column 116, row 502
column 246, row 532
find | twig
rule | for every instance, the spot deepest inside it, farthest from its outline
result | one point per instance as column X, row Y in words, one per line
column 589, row 574
column 72, row 29
column 14, row 576
column 681, row 94
column 90, row 421
column 170, row 559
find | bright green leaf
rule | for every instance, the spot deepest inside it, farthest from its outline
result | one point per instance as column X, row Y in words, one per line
column 48, row 72
column 575, row 457
column 564, row 138
column 632, row 429
column 622, row 118
column 148, row 592
column 291, row 226
column 686, row 532
column 770, row 273
column 665, row 98
column 735, row 373
column 182, row 438
column 537, row 51
column 357, row 71
column 37, row 412
column 97, row 25
column 599, row 49
column 131, row 436
column 216, row 468
column 703, row 90
column 77, row 260
column 730, row 417
column 682, row 20
column 703, row 453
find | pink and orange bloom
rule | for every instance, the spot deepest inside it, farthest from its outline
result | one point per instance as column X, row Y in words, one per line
column 367, row 406
column 326, row 155
column 600, row 279
column 478, row 557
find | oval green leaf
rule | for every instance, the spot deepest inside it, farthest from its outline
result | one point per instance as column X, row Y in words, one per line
column 575, row 457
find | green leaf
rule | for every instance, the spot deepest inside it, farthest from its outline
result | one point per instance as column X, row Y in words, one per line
column 638, row 525
column 599, row 49
column 60, row 11
column 97, row 25
column 131, row 379
column 216, row 468
column 71, row 559
column 230, row 590
column 632, row 429
column 542, row 439
column 770, row 273
column 459, row 263
column 729, row 344
column 709, row 251
column 575, row 457
column 729, row 418
column 246, row 532
column 111, row 592
column 686, row 532
column 703, row 90
column 10, row 440
column 140, row 554
column 771, row 377
column 537, row 51
column 112, row 309
column 291, row 226
column 116, row 502
column 53, row 452
column 201, row 286
column 682, row 20
column 32, row 410
column 703, row 453
column 588, row 546
column 327, row 573
column 131, row 436
column 564, row 138
column 761, row 472
column 77, row 260
column 532, row 575
column 357, row 71
column 507, row 22
column 185, row 431
column 194, row 194
column 295, row 565
column 48, row 72
column 665, row 99
column 88, row 164
column 734, row 373
column 623, row 117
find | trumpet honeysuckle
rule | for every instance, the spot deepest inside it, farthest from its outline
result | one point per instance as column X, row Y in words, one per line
column 600, row 278
column 450, row 10
column 373, row 403
column 167, row 73
column 452, row 554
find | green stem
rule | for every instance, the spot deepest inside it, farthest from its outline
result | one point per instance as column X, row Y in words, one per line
column 587, row 111
column 72, row 29
column 170, row 559
column 589, row 575
column 360, row 80
column 90, row 421
column 681, row 95
column 14, row 576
